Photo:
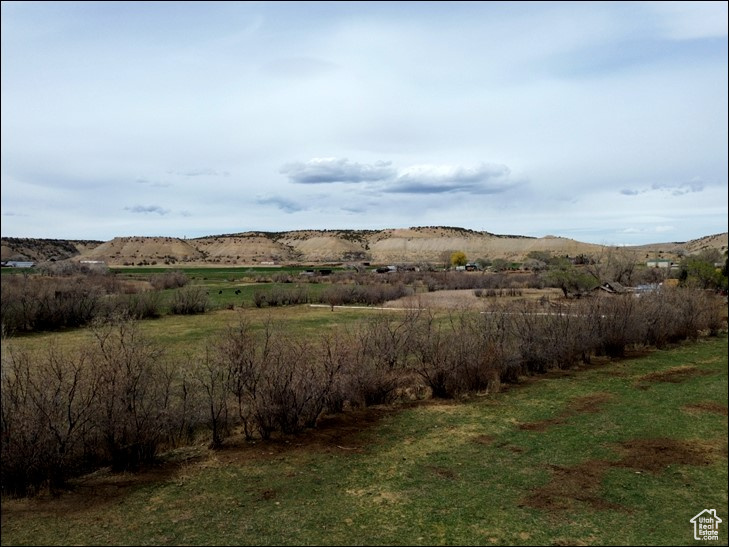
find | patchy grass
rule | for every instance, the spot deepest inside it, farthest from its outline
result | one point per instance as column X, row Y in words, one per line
column 186, row 335
column 624, row 458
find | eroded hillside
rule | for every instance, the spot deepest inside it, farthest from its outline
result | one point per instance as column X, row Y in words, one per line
column 389, row 246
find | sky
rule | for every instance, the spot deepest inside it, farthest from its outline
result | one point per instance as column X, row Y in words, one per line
column 602, row 122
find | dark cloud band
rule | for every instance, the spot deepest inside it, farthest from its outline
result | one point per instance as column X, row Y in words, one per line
column 336, row 170
column 148, row 209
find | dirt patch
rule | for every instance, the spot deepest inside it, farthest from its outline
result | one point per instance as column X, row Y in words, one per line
column 267, row 494
column 654, row 455
column 345, row 433
column 483, row 440
column 569, row 484
column 706, row 407
column 101, row 488
column 581, row 483
column 585, row 404
column 442, row 472
column 589, row 404
column 675, row 375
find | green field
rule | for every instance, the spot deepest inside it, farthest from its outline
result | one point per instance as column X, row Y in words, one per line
column 617, row 453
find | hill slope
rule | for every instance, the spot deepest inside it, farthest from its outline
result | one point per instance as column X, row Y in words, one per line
column 389, row 246
column 40, row 249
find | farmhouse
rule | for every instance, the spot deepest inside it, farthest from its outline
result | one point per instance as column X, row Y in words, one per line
column 612, row 287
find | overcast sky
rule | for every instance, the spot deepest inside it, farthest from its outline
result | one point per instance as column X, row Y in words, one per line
column 603, row 122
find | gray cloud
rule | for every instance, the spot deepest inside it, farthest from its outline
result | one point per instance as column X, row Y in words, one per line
column 210, row 172
column 680, row 189
column 336, row 170
column 148, row 209
column 354, row 209
column 431, row 179
column 419, row 179
column 154, row 184
column 282, row 203
column 676, row 189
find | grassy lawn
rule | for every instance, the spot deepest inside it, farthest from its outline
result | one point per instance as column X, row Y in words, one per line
column 618, row 453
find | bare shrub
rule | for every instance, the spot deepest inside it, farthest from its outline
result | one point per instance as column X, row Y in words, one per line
column 40, row 303
column 25, row 440
column 243, row 354
column 169, row 280
column 620, row 324
column 452, row 358
column 661, row 316
column 276, row 383
column 281, row 296
column 138, row 306
column 370, row 294
column 384, row 345
column 260, row 298
column 189, row 300
column 213, row 378
column 133, row 394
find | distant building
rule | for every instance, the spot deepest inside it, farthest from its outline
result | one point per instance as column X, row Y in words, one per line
column 647, row 288
column 659, row 263
column 18, row 264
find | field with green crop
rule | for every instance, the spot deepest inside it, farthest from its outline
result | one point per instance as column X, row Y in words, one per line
column 614, row 453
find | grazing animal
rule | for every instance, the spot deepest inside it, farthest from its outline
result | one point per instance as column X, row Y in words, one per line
column 220, row 292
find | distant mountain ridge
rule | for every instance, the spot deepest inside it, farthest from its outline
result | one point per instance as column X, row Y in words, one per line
column 432, row 244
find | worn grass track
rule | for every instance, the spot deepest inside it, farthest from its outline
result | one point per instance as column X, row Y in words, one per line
column 618, row 453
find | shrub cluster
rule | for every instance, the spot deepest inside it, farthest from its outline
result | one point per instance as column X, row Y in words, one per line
column 30, row 303
column 169, row 280
column 437, row 281
column 338, row 295
column 281, row 296
column 63, row 412
column 118, row 402
column 511, row 292
column 189, row 300
column 45, row 303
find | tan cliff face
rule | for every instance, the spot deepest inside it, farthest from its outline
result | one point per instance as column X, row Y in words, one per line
column 407, row 245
